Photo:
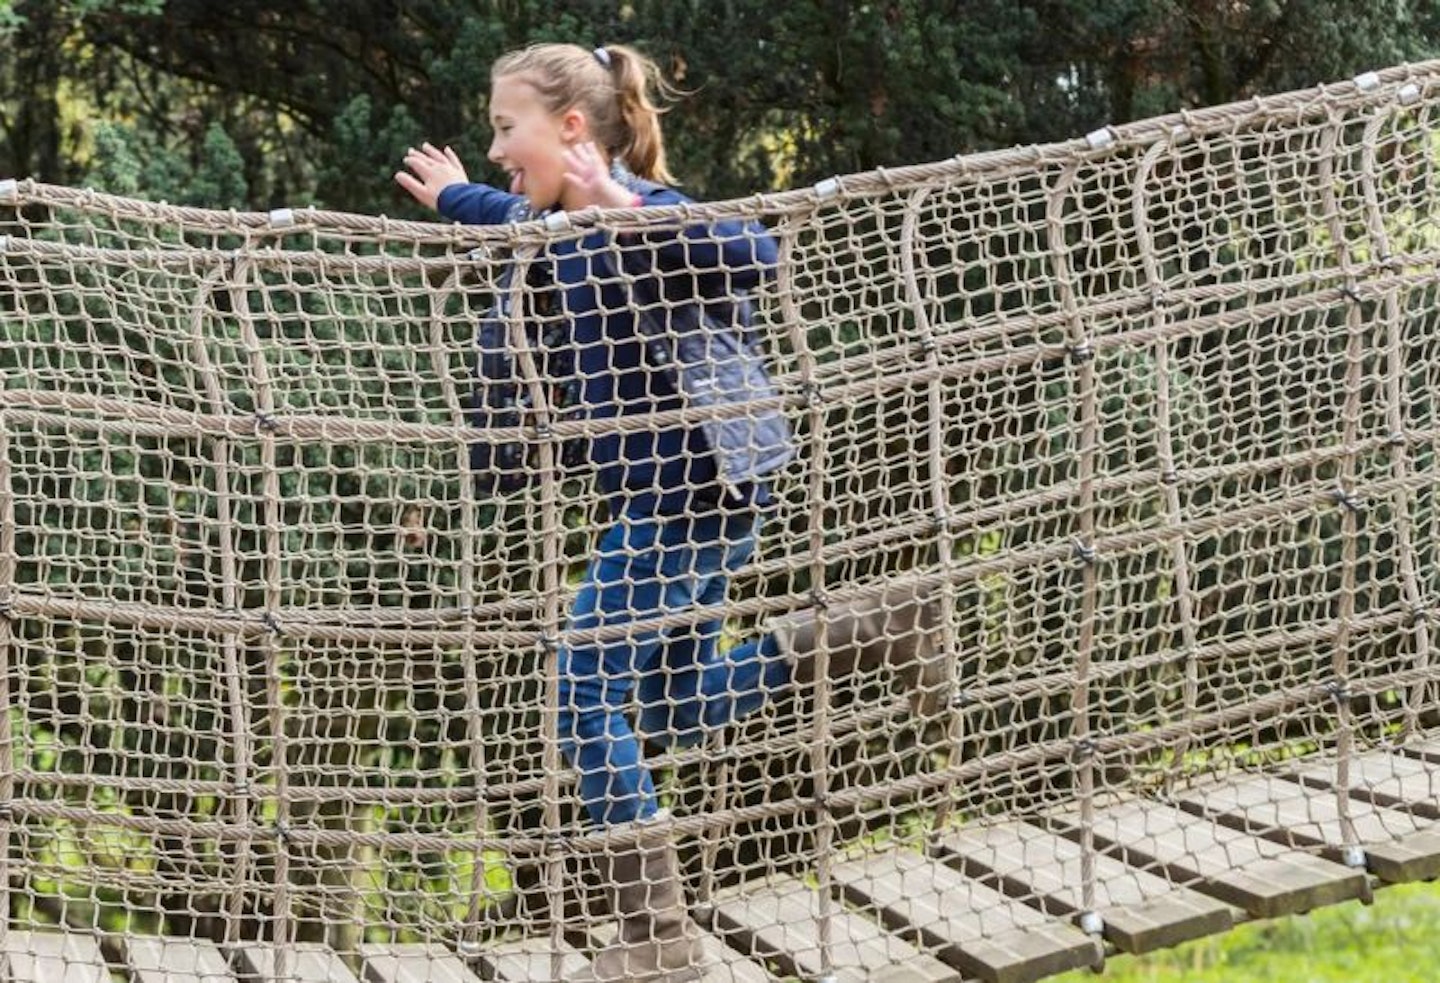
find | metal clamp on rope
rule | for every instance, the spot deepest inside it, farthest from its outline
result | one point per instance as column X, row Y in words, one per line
column 1367, row 81
column 282, row 218
column 813, row 396
column 1170, row 477
column 9, row 190
column 1101, row 138
column 1409, row 94
column 1082, row 750
column 961, row 699
column 1354, row 856
column 1419, row 612
column 281, row 831
column 1091, row 923
column 7, row 609
column 557, row 221
column 1338, row 690
column 4, row 244
column 1081, row 352
column 265, row 423
column 1351, row 294
column 827, row 189
column 548, row 643
column 1345, row 500
column 271, row 623
column 1082, row 551
column 819, row 599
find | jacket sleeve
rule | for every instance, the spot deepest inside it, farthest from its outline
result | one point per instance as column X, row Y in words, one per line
column 476, row 204
column 726, row 256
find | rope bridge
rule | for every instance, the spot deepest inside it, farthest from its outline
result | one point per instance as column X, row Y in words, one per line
column 1152, row 413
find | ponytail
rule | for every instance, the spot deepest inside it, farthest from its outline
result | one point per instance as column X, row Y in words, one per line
column 612, row 86
column 644, row 148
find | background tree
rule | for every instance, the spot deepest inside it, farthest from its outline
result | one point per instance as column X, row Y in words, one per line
column 320, row 99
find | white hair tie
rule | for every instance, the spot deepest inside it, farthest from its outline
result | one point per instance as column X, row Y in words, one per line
column 603, row 57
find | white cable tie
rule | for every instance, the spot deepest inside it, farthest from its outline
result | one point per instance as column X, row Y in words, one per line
column 1101, row 138
column 9, row 189
column 1367, row 81
column 282, row 218
column 1409, row 94
column 557, row 221
column 828, row 188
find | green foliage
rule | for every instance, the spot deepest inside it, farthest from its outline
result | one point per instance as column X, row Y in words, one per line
column 320, row 106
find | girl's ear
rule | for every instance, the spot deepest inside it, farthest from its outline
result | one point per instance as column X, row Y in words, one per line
column 574, row 127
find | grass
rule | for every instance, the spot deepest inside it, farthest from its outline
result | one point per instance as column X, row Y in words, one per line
column 1395, row 940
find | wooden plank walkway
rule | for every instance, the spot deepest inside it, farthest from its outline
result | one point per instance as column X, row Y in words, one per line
column 999, row 904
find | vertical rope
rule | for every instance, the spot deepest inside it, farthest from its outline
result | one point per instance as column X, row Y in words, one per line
column 1395, row 419
column 1350, row 415
column 230, row 600
column 7, row 736
column 1165, row 451
column 270, row 642
column 1082, row 353
column 551, row 535
column 469, row 935
column 939, row 492
column 815, row 531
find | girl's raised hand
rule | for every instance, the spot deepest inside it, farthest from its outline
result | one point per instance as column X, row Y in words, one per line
column 587, row 176
column 434, row 171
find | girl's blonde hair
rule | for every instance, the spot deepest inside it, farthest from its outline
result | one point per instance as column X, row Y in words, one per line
column 615, row 98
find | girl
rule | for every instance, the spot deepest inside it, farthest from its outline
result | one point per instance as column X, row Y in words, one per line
column 652, row 322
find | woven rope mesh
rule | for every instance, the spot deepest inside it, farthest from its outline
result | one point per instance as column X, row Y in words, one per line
column 1149, row 417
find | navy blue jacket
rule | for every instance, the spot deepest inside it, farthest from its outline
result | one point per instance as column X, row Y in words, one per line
column 635, row 324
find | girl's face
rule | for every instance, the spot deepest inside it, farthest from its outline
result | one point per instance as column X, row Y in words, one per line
column 530, row 141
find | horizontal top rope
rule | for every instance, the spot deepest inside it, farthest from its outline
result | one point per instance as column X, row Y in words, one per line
column 1401, row 85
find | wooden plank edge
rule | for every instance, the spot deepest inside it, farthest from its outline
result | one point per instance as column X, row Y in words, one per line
column 1355, row 885
column 1188, row 922
column 991, row 959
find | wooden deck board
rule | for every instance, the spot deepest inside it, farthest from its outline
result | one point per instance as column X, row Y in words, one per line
column 973, row 928
column 1265, row 878
column 780, row 921
column 1424, row 750
column 529, row 961
column 722, row 964
column 1141, row 911
column 308, row 962
column 1384, row 778
column 54, row 957
column 153, row 959
column 1398, row 846
column 412, row 963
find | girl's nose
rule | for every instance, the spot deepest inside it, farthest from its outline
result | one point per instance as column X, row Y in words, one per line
column 494, row 152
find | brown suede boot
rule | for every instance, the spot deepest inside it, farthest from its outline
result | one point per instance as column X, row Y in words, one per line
column 898, row 627
column 658, row 943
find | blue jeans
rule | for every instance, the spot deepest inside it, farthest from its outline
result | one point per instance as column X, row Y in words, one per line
column 647, row 567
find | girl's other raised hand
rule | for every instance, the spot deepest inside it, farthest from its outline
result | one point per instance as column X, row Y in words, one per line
column 588, row 180
column 431, row 171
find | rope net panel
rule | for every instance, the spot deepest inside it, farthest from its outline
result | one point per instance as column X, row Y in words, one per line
column 1148, row 419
